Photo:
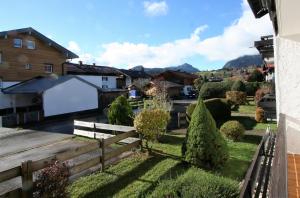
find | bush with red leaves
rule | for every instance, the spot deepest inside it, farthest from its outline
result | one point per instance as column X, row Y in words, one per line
column 52, row 181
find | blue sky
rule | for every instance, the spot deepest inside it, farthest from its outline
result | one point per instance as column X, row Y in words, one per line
column 125, row 33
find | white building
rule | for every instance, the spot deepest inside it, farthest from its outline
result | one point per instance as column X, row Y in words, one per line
column 102, row 76
column 54, row 95
column 285, row 16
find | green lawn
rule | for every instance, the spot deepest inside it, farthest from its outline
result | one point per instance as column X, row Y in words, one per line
column 142, row 174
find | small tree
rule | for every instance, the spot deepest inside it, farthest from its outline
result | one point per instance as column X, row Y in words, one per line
column 204, row 145
column 151, row 123
column 238, row 86
column 120, row 112
column 256, row 76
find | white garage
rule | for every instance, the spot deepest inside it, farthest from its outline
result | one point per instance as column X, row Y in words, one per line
column 58, row 95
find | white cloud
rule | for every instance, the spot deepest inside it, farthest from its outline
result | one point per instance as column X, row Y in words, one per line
column 235, row 41
column 74, row 47
column 156, row 8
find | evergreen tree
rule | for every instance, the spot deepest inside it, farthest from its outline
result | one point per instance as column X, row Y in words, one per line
column 256, row 76
column 204, row 145
column 120, row 112
column 238, row 86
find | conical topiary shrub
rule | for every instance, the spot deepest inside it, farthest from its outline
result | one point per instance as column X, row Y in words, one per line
column 204, row 145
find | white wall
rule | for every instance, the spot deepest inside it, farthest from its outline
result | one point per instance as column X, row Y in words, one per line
column 70, row 96
column 7, row 100
column 287, row 53
column 97, row 80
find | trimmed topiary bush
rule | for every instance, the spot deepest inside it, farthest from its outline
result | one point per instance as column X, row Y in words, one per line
column 220, row 109
column 238, row 86
column 259, row 115
column 197, row 184
column 233, row 130
column 120, row 112
column 204, row 145
column 213, row 90
column 256, row 76
column 251, row 88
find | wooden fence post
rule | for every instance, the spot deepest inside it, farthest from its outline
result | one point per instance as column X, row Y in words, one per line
column 102, row 154
column 178, row 119
column 27, row 179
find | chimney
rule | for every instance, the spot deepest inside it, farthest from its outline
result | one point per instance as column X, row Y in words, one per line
column 80, row 62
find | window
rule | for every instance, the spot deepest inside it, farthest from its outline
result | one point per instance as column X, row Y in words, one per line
column 30, row 44
column 104, row 78
column 18, row 43
column 28, row 66
column 104, row 86
column 48, row 68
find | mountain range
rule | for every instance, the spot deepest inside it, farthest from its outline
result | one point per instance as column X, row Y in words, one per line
column 152, row 71
column 244, row 61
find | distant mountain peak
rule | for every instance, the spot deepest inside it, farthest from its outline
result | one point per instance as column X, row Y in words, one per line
column 186, row 67
column 244, row 61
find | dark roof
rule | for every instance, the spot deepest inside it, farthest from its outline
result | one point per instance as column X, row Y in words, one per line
column 265, row 46
column 43, row 38
column 135, row 73
column 84, row 69
column 258, row 8
column 40, row 84
column 165, row 83
column 179, row 74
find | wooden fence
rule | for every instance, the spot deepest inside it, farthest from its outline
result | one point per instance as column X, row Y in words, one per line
column 256, row 182
column 27, row 169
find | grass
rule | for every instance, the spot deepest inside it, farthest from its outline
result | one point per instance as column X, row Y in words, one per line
column 141, row 174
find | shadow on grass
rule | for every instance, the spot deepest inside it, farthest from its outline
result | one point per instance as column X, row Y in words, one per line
column 172, row 140
column 248, row 122
column 172, row 173
column 253, row 139
column 235, row 168
column 109, row 189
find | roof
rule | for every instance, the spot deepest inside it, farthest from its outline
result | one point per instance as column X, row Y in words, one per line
column 135, row 73
column 179, row 74
column 43, row 38
column 166, row 84
column 258, row 8
column 265, row 46
column 40, row 84
column 85, row 69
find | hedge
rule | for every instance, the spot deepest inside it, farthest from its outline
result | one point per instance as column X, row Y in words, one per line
column 198, row 184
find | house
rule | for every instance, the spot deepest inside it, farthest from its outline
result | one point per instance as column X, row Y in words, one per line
column 25, row 54
column 182, row 78
column 131, row 76
column 102, row 76
column 158, row 87
column 51, row 96
column 285, row 17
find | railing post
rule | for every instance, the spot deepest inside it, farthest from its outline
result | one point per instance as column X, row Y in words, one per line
column 102, row 154
column 27, row 179
column 178, row 119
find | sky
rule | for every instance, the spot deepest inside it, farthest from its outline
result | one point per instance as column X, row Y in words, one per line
column 152, row 33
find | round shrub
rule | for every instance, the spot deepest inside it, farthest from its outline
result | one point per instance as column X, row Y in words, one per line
column 251, row 88
column 213, row 90
column 259, row 115
column 151, row 123
column 238, row 86
column 233, row 130
column 236, row 97
column 204, row 146
column 120, row 112
column 220, row 109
